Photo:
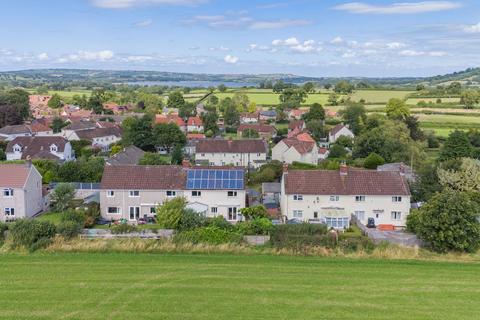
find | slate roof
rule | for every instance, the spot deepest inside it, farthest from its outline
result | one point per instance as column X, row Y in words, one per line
column 13, row 175
column 355, row 182
column 231, row 146
column 271, row 187
column 336, row 129
column 260, row 128
column 91, row 134
column 80, row 125
column 38, row 147
column 129, row 155
column 15, row 129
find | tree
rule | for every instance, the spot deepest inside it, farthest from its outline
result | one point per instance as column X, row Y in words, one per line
column 460, row 175
column 153, row 159
column 457, row 145
column 332, row 99
column 168, row 135
column 316, row 113
column 426, row 182
column 231, row 116
column 355, row 116
column 328, row 86
column 250, row 133
column 448, row 222
column 57, row 124
column 469, row 98
column 209, row 120
column 9, row 115
column 241, row 101
column 420, row 87
column 454, row 88
column 397, row 109
column 255, row 212
column 81, row 101
column 344, row 87
column 414, row 126
column 177, row 154
column 62, row 197
column 169, row 214
column 337, row 151
column 55, row 101
column 279, row 86
column 292, row 97
column 175, row 100
column 316, row 129
column 19, row 99
column 373, row 161
column 96, row 100
column 139, row 132
column 222, row 88
column 309, row 87
column 187, row 110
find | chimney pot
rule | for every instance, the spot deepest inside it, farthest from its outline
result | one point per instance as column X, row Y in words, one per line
column 402, row 169
column 343, row 169
column 185, row 163
column 285, row 168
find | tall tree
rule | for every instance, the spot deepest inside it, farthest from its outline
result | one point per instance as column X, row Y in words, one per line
column 397, row 109
column 209, row 120
column 18, row 98
column 175, row 100
column 55, row 101
column 9, row 115
column 168, row 135
column 231, row 116
column 344, row 87
column 355, row 115
column 457, row 145
column 316, row 113
column 138, row 131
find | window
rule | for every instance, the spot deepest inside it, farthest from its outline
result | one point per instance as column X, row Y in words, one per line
column 8, row 192
column 203, row 154
column 232, row 193
column 232, row 214
column 9, row 211
column 171, row 193
column 213, row 209
column 360, row 215
column 396, row 199
column 113, row 210
column 297, row 213
column 17, row 149
column 110, row 193
column 196, row 193
column 134, row 193
column 334, row 198
column 53, row 148
column 396, row 215
column 153, row 210
column 297, row 197
column 359, row 198
column 337, row 222
column 315, row 215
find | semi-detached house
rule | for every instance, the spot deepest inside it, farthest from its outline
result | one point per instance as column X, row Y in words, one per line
column 244, row 153
column 134, row 192
column 332, row 197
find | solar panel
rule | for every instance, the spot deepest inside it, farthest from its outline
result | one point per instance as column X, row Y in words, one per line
column 212, row 179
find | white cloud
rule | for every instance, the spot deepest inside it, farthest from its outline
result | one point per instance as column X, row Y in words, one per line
column 257, row 25
column 414, row 53
column 230, row 59
column 122, row 4
column 396, row 45
column 475, row 28
column 272, row 5
column 43, row 56
column 398, row 8
column 144, row 23
column 221, row 48
column 336, row 40
column 295, row 45
column 91, row 55
column 287, row 42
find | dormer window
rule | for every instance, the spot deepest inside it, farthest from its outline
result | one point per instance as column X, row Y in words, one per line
column 53, row 148
column 17, row 148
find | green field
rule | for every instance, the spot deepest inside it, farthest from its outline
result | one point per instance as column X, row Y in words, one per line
column 271, row 98
column 379, row 96
column 415, row 101
column 65, row 94
column 154, row 286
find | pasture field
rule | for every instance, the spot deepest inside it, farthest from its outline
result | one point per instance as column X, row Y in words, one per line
column 415, row 101
column 379, row 96
column 65, row 93
column 181, row 286
column 268, row 97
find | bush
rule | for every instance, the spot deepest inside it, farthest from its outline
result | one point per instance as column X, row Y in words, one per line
column 258, row 226
column 26, row 232
column 3, row 228
column 299, row 235
column 40, row 244
column 373, row 161
column 169, row 214
column 91, row 214
column 190, row 220
column 219, row 222
column 123, row 228
column 62, row 197
column 70, row 229
column 210, row 235
column 73, row 216
column 413, row 221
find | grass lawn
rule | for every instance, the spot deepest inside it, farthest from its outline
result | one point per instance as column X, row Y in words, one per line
column 414, row 101
column 155, row 286
column 378, row 96
column 65, row 94
column 53, row 217
column 268, row 97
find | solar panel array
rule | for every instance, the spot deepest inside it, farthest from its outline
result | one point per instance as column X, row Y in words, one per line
column 213, row 179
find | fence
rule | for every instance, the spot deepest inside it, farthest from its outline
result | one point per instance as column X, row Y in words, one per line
column 79, row 185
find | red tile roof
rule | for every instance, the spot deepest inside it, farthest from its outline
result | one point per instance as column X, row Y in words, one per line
column 193, row 136
column 260, row 128
column 355, row 182
column 296, row 124
column 194, row 121
column 13, row 175
column 160, row 118
column 231, row 146
column 301, row 146
column 336, row 129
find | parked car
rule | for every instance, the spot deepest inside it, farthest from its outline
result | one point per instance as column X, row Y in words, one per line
column 371, row 223
column 101, row 221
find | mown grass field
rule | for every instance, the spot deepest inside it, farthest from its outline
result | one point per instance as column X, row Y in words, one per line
column 379, row 96
column 154, row 286
column 271, row 98
column 64, row 93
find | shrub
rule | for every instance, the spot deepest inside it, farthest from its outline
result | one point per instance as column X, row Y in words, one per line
column 258, row 226
column 299, row 235
column 373, row 161
column 123, row 228
column 70, row 229
column 254, row 212
column 413, row 221
column 26, row 232
column 210, row 235
column 191, row 219
column 3, row 228
column 73, row 216
column 62, row 196
column 40, row 244
column 219, row 222
column 169, row 214
column 91, row 214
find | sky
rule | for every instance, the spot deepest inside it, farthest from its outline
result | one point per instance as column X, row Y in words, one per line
column 304, row 37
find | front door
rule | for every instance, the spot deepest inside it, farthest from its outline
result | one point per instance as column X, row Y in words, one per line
column 134, row 213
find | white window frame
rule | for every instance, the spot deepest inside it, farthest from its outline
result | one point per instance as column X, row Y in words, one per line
column 337, row 222
column 232, row 193
column 110, row 193
column 334, row 198
column 298, row 197
column 171, row 193
column 8, row 193
column 396, row 215
column 153, row 210
column 359, row 198
column 360, row 215
column 397, row 199
column 134, row 213
column 213, row 209
column 232, row 214
column 196, row 193
column 298, row 214
column 131, row 193
column 119, row 211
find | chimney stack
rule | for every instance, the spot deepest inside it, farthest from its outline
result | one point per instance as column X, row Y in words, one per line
column 402, row 169
column 185, row 163
column 343, row 169
column 285, row 168
column 28, row 161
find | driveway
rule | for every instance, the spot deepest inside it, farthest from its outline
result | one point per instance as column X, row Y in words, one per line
column 396, row 237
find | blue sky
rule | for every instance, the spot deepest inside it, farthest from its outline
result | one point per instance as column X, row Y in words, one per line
column 303, row 37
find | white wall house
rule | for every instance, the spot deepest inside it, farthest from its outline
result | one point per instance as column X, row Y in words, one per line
column 9, row 133
column 101, row 138
column 134, row 192
column 40, row 147
column 338, row 131
column 21, row 191
column 291, row 150
column 194, row 124
column 243, row 153
column 332, row 197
